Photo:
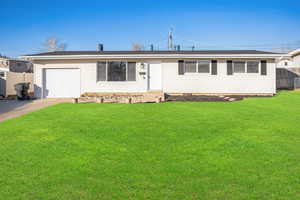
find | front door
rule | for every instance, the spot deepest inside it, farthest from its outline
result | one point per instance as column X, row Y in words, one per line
column 155, row 76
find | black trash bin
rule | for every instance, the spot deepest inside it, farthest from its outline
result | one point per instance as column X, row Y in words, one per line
column 22, row 90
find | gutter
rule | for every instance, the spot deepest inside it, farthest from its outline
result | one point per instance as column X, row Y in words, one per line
column 153, row 56
column 295, row 52
column 4, row 69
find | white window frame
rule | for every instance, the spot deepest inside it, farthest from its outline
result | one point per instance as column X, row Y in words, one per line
column 106, row 68
column 197, row 67
column 209, row 61
column 233, row 65
column 246, row 69
column 191, row 61
column 259, row 63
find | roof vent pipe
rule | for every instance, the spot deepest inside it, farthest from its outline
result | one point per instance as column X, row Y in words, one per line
column 151, row 47
column 100, row 47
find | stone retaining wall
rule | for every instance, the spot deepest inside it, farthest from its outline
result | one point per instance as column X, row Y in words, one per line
column 147, row 97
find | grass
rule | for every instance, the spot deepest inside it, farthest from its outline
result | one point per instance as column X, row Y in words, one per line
column 184, row 150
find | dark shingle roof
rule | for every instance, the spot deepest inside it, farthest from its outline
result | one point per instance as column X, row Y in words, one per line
column 66, row 53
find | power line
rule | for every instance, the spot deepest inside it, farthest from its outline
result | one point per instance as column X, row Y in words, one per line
column 194, row 44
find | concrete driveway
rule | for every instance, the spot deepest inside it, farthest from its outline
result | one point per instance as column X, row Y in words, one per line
column 14, row 108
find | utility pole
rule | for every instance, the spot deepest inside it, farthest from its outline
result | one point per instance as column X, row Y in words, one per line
column 170, row 40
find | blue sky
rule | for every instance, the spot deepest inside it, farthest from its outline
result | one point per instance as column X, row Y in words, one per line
column 213, row 24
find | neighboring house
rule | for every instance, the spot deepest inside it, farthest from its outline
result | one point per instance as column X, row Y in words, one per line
column 214, row 72
column 288, row 71
column 296, row 58
column 289, row 60
column 16, row 65
column 3, row 72
column 285, row 62
column 16, row 71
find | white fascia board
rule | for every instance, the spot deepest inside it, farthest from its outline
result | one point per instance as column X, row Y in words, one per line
column 4, row 69
column 154, row 56
column 297, row 51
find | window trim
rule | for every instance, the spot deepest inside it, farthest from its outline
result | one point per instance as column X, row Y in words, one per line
column 106, row 69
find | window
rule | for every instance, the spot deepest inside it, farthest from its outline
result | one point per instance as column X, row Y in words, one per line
column 239, row 66
column 203, row 66
column 2, row 74
column 252, row 66
column 190, row 66
column 116, row 71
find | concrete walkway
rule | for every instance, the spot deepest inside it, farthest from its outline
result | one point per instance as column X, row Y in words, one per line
column 14, row 108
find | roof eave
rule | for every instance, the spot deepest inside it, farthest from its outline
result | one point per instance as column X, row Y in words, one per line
column 295, row 52
column 4, row 69
column 152, row 56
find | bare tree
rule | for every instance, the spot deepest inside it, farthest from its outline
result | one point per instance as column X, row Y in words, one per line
column 137, row 47
column 3, row 56
column 53, row 44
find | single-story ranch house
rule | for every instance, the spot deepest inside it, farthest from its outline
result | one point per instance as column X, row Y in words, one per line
column 213, row 72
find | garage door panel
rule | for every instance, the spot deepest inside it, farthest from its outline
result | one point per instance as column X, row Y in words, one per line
column 59, row 83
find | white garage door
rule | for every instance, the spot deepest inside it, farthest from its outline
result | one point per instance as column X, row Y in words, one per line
column 61, row 83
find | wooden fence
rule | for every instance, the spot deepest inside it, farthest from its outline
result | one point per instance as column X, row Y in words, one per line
column 13, row 78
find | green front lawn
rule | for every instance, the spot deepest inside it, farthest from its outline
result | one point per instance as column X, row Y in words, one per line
column 183, row 150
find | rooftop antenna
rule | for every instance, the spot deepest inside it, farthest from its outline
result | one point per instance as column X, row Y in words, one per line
column 170, row 39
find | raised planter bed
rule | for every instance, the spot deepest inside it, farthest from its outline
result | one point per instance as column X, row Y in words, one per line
column 147, row 97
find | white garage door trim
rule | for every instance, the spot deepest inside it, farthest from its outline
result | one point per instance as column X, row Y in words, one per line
column 61, row 83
